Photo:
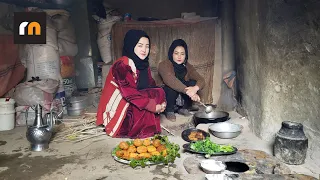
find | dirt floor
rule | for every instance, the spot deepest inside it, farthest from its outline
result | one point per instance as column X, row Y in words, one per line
column 92, row 160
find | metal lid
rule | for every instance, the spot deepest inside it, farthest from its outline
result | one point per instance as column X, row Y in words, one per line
column 75, row 99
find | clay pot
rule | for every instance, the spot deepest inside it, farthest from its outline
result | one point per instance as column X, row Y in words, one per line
column 291, row 144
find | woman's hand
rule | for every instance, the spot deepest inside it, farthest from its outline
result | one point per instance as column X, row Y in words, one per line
column 158, row 108
column 164, row 105
column 161, row 107
column 195, row 98
column 192, row 90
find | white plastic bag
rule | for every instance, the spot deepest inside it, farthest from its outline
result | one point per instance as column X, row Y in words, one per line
column 42, row 61
column 67, row 48
column 61, row 21
column 51, row 32
column 104, row 37
column 66, row 37
column 37, row 92
column 52, row 37
column 68, row 33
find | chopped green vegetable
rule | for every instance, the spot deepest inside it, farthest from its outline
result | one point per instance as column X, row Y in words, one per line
column 115, row 150
column 210, row 148
column 141, row 162
column 129, row 142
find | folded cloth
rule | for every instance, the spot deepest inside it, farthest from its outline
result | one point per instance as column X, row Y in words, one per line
column 11, row 68
column 229, row 79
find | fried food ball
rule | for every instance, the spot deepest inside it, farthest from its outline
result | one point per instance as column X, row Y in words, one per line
column 133, row 156
column 132, row 149
column 155, row 153
column 144, row 155
column 161, row 148
column 156, row 143
column 142, row 149
column 126, row 155
column 119, row 153
column 194, row 136
column 124, row 145
column 200, row 136
column 146, row 142
column 151, row 149
column 137, row 142
column 164, row 153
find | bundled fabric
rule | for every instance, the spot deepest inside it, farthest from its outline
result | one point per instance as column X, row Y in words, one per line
column 11, row 68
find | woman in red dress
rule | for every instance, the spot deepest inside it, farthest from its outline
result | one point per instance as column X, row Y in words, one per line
column 130, row 103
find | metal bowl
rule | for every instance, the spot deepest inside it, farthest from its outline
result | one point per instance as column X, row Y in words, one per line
column 77, row 105
column 225, row 130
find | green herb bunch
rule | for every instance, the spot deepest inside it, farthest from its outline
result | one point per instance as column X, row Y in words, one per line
column 209, row 147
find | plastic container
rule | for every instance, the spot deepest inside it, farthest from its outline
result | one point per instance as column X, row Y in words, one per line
column 67, row 67
column 7, row 114
column 210, row 166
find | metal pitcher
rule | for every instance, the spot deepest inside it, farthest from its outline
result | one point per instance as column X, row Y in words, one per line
column 39, row 134
column 54, row 117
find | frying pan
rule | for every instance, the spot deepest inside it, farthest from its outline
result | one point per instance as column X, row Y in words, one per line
column 212, row 117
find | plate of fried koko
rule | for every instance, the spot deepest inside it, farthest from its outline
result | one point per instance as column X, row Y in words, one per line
column 148, row 151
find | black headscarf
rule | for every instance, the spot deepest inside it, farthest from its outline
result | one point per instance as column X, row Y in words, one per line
column 130, row 41
column 179, row 69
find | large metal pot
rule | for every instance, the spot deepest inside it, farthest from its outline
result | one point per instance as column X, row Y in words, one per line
column 212, row 117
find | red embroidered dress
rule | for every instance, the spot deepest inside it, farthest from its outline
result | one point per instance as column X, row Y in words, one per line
column 124, row 110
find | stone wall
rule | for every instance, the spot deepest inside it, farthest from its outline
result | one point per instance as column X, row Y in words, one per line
column 6, row 18
column 278, row 65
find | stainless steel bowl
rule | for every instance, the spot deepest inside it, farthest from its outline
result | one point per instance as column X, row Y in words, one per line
column 225, row 130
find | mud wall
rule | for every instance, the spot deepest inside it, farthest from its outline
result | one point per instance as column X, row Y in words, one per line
column 278, row 65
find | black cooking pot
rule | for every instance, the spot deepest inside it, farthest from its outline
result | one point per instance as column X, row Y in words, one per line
column 212, row 117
